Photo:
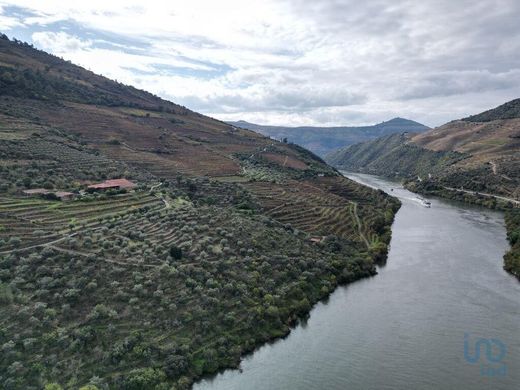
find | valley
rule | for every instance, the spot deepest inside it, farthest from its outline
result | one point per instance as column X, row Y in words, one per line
column 273, row 195
column 474, row 160
column 323, row 140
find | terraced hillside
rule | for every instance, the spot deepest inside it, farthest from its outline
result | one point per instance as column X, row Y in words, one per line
column 227, row 240
column 340, row 211
column 28, row 222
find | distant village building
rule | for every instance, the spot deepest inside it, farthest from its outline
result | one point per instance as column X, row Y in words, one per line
column 113, row 184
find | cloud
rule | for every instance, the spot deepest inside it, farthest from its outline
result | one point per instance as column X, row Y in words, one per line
column 459, row 83
column 293, row 61
column 60, row 42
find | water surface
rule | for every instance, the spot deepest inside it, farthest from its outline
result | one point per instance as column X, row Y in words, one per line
column 405, row 327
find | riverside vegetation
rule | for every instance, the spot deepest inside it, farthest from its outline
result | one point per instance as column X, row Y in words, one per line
column 228, row 240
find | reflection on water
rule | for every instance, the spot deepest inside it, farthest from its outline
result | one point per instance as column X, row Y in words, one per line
column 405, row 328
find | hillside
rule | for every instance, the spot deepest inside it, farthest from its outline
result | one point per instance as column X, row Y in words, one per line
column 509, row 110
column 322, row 140
column 478, row 156
column 227, row 239
column 476, row 159
column 394, row 155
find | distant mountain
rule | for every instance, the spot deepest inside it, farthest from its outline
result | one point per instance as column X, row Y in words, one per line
column 322, row 140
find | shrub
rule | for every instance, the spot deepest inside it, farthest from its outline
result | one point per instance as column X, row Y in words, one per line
column 175, row 365
column 143, row 379
column 52, row 386
column 15, row 241
column 176, row 252
column 6, row 295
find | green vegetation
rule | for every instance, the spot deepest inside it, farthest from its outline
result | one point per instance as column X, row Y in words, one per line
column 512, row 258
column 259, row 166
column 150, row 289
column 60, row 163
column 117, row 296
column 393, row 156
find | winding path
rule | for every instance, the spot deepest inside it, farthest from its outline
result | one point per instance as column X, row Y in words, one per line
column 358, row 222
column 517, row 202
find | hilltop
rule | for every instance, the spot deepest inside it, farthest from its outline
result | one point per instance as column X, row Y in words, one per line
column 475, row 159
column 509, row 110
column 322, row 140
column 220, row 239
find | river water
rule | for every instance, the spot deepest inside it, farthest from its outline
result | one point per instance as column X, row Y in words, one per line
column 442, row 289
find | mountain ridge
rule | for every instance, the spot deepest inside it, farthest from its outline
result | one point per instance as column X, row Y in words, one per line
column 322, row 139
column 508, row 110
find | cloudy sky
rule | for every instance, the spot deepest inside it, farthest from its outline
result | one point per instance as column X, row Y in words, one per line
column 292, row 62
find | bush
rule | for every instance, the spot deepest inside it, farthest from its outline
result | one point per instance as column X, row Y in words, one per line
column 176, row 252
column 6, row 295
column 143, row 379
column 52, row 386
column 175, row 365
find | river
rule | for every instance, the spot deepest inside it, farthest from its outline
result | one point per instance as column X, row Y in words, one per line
column 443, row 289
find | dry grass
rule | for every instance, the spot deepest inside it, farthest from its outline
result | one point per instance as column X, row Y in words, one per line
column 484, row 141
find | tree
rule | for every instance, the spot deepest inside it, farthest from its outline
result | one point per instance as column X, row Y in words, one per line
column 176, row 252
column 175, row 365
column 143, row 379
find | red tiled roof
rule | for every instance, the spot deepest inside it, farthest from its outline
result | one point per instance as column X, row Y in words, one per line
column 114, row 183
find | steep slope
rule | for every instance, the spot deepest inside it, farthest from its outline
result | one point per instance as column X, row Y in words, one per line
column 228, row 238
column 394, row 155
column 478, row 156
column 322, row 140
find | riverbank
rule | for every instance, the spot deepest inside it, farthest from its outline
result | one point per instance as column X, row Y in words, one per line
column 351, row 265
column 402, row 328
column 512, row 257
